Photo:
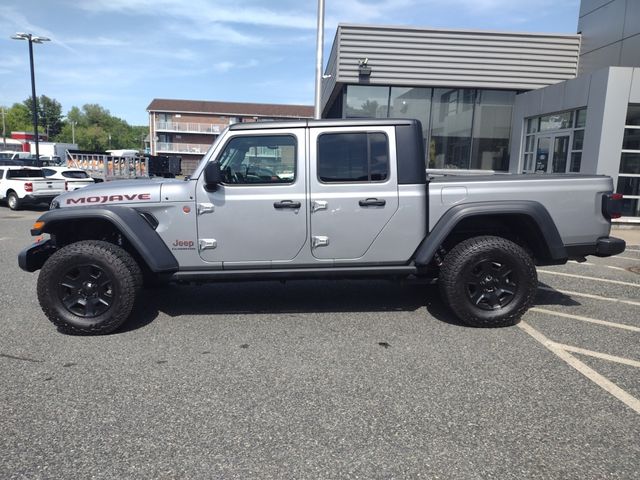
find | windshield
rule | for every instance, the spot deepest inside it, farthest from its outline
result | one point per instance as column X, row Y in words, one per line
column 25, row 173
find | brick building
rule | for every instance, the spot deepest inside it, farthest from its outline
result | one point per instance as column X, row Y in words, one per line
column 188, row 127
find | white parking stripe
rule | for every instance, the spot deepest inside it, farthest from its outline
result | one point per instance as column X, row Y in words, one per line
column 622, row 257
column 604, row 383
column 581, row 263
column 589, row 295
column 616, row 268
column 617, row 282
column 603, row 356
column 585, row 319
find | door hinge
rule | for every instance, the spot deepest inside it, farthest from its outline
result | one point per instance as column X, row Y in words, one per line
column 207, row 243
column 205, row 208
column 318, row 205
column 319, row 242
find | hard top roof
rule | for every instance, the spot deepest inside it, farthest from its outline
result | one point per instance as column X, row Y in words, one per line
column 352, row 122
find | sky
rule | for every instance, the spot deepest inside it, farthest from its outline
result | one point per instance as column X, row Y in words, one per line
column 122, row 54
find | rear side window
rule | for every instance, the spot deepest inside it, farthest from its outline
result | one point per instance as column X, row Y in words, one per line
column 48, row 172
column 75, row 174
column 1, row 174
column 353, row 157
column 25, row 173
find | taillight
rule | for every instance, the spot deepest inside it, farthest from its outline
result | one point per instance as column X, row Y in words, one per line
column 28, row 187
column 612, row 205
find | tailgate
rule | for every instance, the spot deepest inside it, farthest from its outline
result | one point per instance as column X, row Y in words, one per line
column 46, row 187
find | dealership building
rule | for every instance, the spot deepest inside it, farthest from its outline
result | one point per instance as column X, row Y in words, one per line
column 504, row 101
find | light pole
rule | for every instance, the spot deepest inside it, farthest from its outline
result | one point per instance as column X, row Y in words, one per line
column 33, row 39
column 319, row 47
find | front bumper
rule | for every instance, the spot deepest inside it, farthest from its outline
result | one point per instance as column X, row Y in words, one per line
column 33, row 257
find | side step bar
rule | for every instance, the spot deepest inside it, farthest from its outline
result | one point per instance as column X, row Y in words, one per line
column 291, row 273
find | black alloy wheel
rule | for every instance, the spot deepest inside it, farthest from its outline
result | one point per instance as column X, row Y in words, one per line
column 490, row 284
column 488, row 281
column 86, row 290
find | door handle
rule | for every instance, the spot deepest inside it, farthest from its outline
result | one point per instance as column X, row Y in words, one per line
column 287, row 204
column 372, row 202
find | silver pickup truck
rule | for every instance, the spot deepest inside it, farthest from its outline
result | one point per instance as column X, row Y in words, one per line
column 309, row 199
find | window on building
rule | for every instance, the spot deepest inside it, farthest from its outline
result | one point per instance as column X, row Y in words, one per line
column 629, row 176
column 365, row 101
column 553, row 143
column 353, row 157
column 451, row 122
column 259, row 159
column 491, row 130
column 462, row 128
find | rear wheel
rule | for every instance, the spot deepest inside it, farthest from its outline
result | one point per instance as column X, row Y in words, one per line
column 488, row 281
column 13, row 201
column 89, row 287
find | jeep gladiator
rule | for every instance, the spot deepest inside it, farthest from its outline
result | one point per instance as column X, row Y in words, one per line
column 317, row 198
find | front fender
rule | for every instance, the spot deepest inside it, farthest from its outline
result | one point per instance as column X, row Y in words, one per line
column 128, row 221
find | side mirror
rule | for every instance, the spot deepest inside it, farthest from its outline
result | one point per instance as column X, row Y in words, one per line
column 212, row 176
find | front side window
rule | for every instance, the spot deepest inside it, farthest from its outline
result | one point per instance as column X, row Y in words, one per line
column 263, row 159
column 353, row 157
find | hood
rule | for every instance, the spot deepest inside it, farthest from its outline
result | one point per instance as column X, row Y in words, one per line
column 118, row 192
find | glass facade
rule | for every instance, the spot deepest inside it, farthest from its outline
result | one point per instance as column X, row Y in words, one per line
column 462, row 128
column 553, row 143
column 629, row 176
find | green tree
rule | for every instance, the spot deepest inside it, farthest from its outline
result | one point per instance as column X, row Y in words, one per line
column 18, row 119
column 49, row 114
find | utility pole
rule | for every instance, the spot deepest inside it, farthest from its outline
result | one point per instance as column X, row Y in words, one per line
column 319, row 62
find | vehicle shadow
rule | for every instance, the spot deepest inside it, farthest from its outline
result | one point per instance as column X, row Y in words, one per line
column 310, row 296
column 272, row 297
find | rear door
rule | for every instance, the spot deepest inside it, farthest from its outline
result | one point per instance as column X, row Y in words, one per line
column 353, row 189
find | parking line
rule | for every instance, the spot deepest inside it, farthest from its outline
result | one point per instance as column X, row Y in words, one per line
column 603, row 356
column 616, row 268
column 617, row 282
column 589, row 295
column 603, row 382
column 622, row 257
column 586, row 319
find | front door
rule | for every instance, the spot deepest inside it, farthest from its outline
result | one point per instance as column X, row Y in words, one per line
column 353, row 189
column 258, row 213
column 552, row 153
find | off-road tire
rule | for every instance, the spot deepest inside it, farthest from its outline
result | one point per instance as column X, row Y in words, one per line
column 13, row 201
column 488, row 281
column 117, row 281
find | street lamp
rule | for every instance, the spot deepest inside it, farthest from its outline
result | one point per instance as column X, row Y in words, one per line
column 33, row 39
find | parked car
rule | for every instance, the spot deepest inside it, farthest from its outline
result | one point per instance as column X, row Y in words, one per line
column 26, row 185
column 74, row 177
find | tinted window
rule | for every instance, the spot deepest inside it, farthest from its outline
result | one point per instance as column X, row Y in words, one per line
column 24, row 173
column 48, row 172
column 353, row 157
column 259, row 159
column 1, row 174
column 75, row 174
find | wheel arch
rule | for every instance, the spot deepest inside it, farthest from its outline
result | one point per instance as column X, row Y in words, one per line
column 525, row 222
column 87, row 223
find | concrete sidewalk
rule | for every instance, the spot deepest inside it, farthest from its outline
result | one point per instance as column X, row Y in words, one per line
column 630, row 234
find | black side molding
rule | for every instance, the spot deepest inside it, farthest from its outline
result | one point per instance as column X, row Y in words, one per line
column 129, row 222
column 534, row 210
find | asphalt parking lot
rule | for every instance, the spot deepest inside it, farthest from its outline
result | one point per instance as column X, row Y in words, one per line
column 332, row 379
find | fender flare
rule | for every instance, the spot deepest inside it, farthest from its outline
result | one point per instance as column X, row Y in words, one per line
column 128, row 221
column 528, row 208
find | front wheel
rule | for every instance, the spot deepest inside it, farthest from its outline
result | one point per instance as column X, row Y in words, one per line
column 88, row 287
column 488, row 281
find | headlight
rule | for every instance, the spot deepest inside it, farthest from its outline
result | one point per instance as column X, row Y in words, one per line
column 54, row 204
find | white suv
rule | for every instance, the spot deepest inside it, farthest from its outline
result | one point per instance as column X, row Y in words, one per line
column 74, row 177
